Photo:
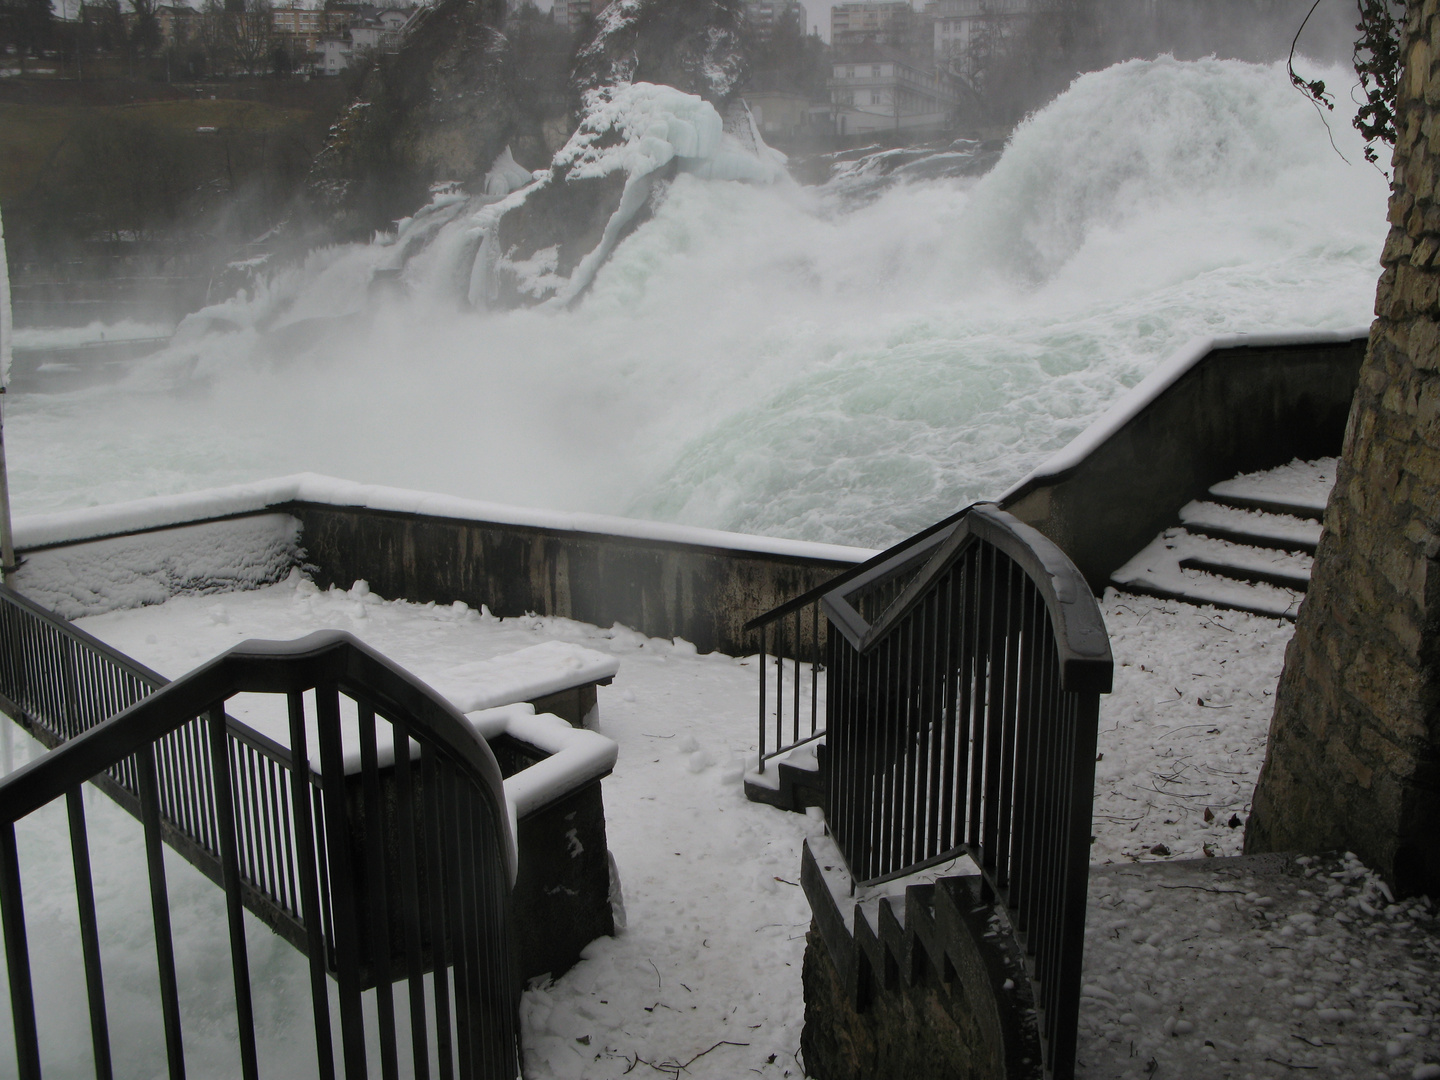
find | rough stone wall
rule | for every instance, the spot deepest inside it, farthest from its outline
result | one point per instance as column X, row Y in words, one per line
column 1354, row 755
column 920, row 1030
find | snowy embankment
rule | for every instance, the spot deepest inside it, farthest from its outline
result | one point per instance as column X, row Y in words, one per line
column 710, row 961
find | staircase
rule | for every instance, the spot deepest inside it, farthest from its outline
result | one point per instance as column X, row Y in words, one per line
column 1249, row 546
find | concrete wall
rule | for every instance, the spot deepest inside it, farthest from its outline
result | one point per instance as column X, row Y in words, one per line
column 1354, row 748
column 1228, row 407
column 661, row 588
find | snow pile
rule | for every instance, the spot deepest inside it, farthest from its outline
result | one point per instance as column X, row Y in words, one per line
column 1258, row 967
column 640, row 128
column 505, row 176
column 533, row 672
column 131, row 571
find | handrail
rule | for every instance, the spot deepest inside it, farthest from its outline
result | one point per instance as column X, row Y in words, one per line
column 58, row 681
column 263, row 667
column 960, row 719
column 406, row 869
column 850, row 575
column 1085, row 659
column 808, row 648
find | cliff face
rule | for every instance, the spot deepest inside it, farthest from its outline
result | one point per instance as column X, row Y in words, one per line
column 693, row 45
column 465, row 84
column 652, row 92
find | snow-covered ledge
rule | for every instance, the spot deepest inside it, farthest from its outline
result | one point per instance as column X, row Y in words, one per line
column 168, row 511
column 576, row 756
column 1143, row 394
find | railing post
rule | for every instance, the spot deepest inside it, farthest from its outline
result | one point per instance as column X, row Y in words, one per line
column 17, row 955
column 89, row 934
column 342, row 892
column 1080, row 796
column 234, row 911
column 310, row 907
column 762, row 701
column 160, row 910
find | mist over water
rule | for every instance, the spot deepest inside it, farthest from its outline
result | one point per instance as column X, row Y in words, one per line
column 782, row 360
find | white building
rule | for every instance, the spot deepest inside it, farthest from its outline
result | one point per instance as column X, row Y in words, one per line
column 883, row 89
column 765, row 15
column 964, row 27
column 853, row 24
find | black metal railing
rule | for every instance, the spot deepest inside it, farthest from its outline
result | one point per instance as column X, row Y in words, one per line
column 795, row 632
column 399, row 871
column 58, row 682
column 964, row 672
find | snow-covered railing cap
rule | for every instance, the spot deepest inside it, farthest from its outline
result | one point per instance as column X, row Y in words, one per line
column 574, row 758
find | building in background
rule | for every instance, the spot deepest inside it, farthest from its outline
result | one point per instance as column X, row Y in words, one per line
column 765, row 15
column 880, row 21
column 574, row 13
column 881, row 88
column 966, row 31
column 357, row 28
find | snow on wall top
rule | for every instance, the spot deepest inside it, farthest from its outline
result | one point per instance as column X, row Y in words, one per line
column 523, row 675
column 1139, row 397
column 163, row 511
column 577, row 756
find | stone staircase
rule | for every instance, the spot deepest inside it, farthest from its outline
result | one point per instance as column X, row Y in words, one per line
column 1248, row 546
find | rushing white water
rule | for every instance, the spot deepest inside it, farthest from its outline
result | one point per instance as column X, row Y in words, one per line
column 775, row 359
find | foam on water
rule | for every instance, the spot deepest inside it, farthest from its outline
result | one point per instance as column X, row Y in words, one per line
column 774, row 358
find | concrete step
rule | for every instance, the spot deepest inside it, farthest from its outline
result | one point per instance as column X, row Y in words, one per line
column 1178, row 565
column 1270, row 504
column 1254, row 527
column 1248, row 547
column 1299, row 489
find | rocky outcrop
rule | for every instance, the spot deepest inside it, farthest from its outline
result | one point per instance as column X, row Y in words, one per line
column 693, row 45
column 1354, row 749
column 653, row 93
column 466, row 83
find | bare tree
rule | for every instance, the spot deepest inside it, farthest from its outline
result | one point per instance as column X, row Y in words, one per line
column 251, row 28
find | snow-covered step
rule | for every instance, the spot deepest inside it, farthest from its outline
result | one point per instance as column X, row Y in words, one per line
column 1299, row 489
column 1242, row 562
column 1254, row 527
column 1201, row 570
column 1249, row 546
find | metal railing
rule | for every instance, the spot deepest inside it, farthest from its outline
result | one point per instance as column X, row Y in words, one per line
column 964, row 670
column 401, row 870
column 796, row 632
column 58, row 682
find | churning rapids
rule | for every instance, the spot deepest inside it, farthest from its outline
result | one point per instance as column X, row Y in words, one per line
column 774, row 358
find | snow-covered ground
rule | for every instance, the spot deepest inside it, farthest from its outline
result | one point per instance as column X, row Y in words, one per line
column 709, row 963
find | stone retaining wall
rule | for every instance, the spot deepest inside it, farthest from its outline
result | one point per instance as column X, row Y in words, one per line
column 1354, row 753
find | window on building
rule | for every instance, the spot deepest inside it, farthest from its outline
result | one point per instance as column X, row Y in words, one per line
column 849, row 73
column 875, row 71
column 874, row 97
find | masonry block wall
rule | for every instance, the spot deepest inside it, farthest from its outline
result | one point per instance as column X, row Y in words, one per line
column 1354, row 754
